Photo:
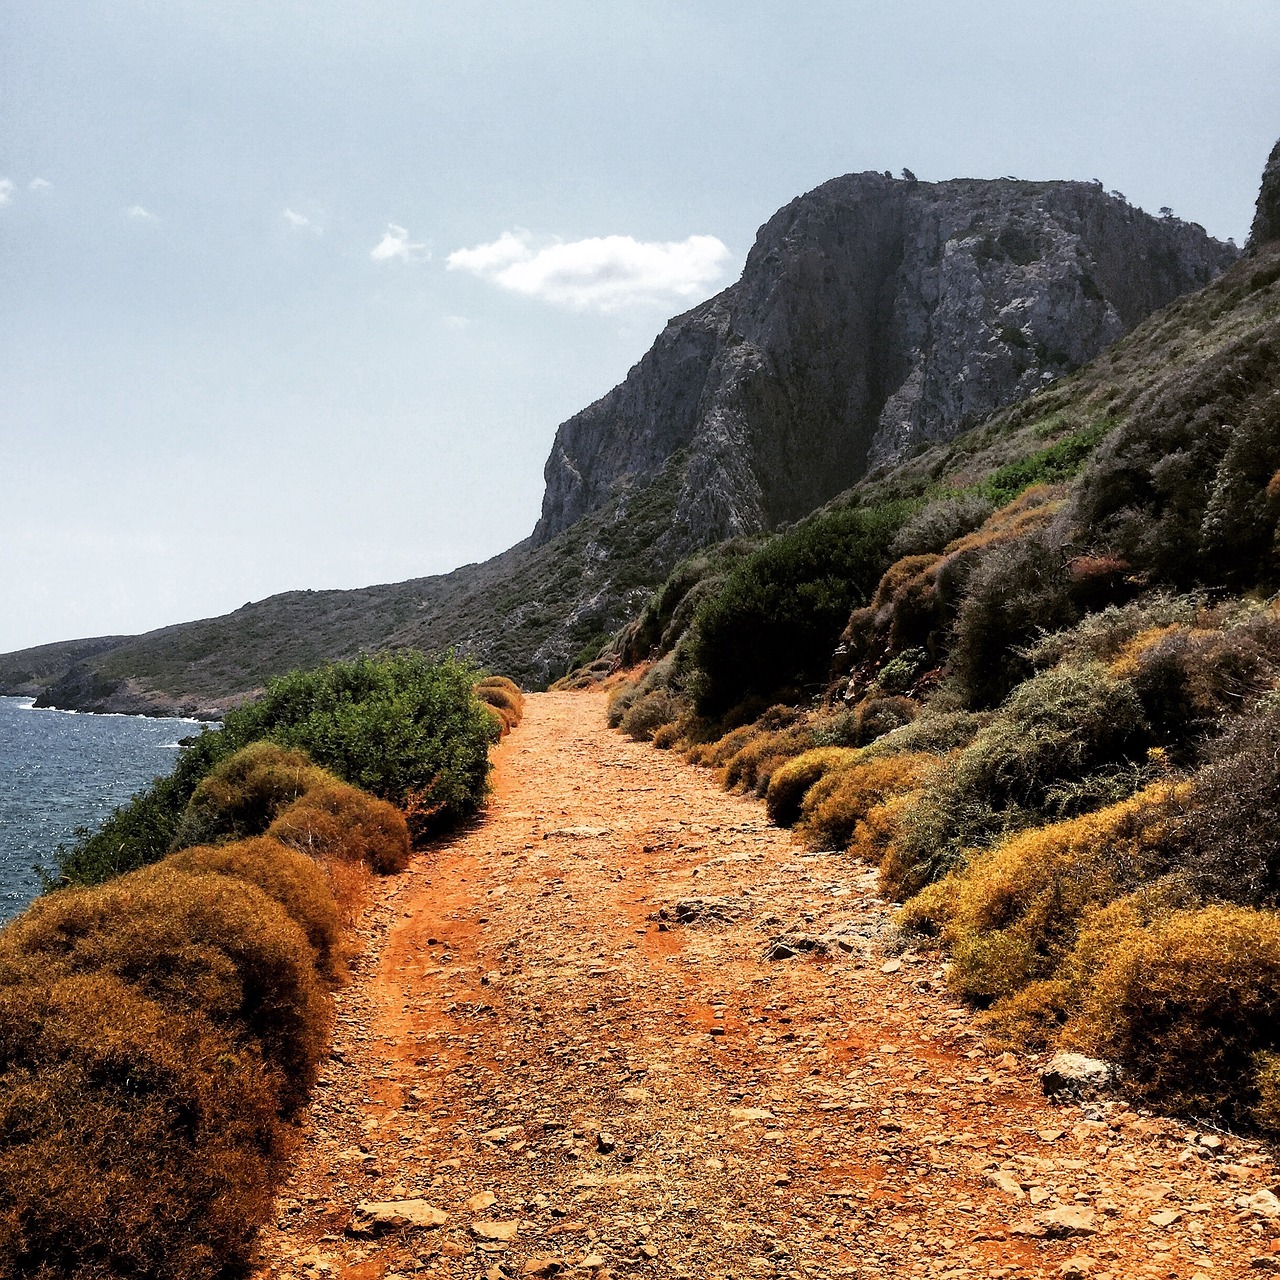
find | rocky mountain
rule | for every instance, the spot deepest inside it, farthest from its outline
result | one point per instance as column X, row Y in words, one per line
column 1266, row 220
column 874, row 315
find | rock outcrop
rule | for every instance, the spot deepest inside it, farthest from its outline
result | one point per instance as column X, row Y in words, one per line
column 1266, row 219
column 873, row 315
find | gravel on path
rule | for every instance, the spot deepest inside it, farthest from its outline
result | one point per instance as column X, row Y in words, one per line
column 624, row 1027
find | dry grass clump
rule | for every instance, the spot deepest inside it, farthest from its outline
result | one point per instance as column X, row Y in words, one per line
column 294, row 880
column 647, row 714
column 338, row 823
column 503, row 700
column 791, row 781
column 751, row 768
column 1187, row 1006
column 835, row 805
column 241, row 796
column 208, row 945
column 1010, row 915
column 134, row 1141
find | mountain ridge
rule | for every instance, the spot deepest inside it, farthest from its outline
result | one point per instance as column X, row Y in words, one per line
column 846, row 344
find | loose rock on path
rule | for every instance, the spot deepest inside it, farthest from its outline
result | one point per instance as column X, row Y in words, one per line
column 624, row 1027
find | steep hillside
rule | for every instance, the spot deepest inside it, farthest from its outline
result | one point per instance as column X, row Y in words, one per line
column 874, row 315
column 1032, row 677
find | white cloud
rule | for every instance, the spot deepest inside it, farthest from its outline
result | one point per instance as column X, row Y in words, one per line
column 606, row 272
column 6, row 190
column 299, row 221
column 39, row 184
column 136, row 213
column 395, row 244
column 455, row 322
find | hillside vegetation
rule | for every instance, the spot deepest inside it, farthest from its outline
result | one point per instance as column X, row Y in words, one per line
column 1034, row 677
column 163, row 1017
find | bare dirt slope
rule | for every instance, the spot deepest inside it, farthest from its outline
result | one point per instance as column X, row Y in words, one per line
column 583, row 1089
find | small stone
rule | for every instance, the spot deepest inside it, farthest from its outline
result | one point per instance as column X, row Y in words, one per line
column 749, row 1113
column 1072, row 1075
column 1265, row 1204
column 593, row 1261
column 1006, row 1182
column 502, row 1232
column 650, row 1251
column 1068, row 1220
column 1079, row 1267
column 891, row 966
column 542, row 1267
column 371, row 1217
column 1165, row 1218
column 605, row 1143
column 1038, row 1195
column 1210, row 1142
column 480, row 1201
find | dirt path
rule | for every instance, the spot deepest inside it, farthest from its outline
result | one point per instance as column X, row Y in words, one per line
column 655, row 1098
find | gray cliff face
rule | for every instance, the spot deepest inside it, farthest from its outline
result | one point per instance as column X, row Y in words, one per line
column 873, row 315
column 1266, row 219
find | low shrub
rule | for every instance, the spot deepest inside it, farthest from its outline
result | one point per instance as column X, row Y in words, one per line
column 242, row 794
column 213, row 945
column 620, row 700
column 404, row 727
column 338, row 823
column 503, row 699
column 791, row 781
column 835, row 805
column 1229, row 834
column 751, row 767
column 647, row 714
column 1058, row 746
column 1015, row 592
column 773, row 623
column 1011, row 914
column 1187, row 1005
column 941, row 522
column 293, row 879
column 134, row 1141
column 666, row 736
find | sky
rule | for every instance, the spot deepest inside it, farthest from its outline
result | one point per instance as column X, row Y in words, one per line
column 295, row 294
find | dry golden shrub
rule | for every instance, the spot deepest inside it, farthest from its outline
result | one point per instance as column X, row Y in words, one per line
column 294, row 880
column 1187, row 1005
column 751, row 767
column 1266, row 1109
column 501, row 696
column 666, row 736
column 1031, row 510
column 717, row 754
column 336, row 821
column 840, row 800
column 209, row 945
column 1011, row 914
column 350, row 883
column 242, row 795
column 791, row 781
column 503, row 718
column 137, row 1141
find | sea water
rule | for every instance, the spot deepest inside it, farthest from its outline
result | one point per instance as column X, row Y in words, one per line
column 59, row 771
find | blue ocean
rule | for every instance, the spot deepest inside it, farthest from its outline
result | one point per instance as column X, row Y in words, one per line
column 60, row 771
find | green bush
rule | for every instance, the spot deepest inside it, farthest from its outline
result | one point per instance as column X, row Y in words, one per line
column 1064, row 742
column 773, row 624
column 404, row 727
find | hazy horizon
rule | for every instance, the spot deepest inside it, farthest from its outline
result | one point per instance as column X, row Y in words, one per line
column 297, row 296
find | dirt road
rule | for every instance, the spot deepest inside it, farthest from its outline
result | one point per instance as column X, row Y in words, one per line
column 584, row 1089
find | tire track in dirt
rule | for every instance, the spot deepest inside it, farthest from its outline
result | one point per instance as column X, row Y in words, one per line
column 618, row 1095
